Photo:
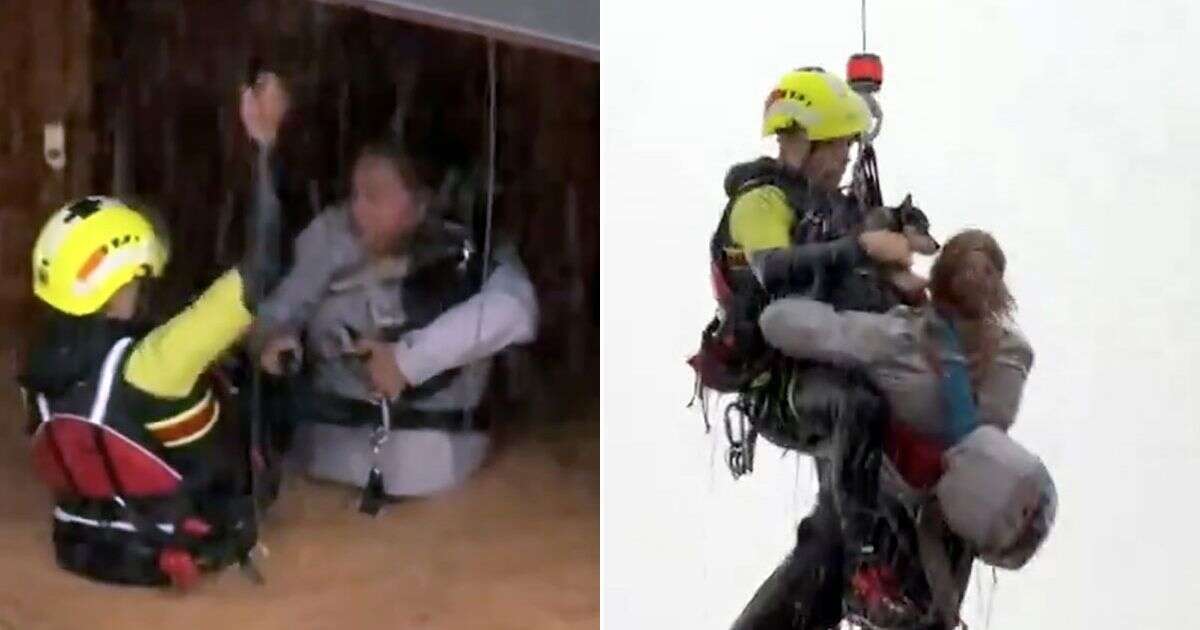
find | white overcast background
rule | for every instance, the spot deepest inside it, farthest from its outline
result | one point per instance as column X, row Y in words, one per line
column 1071, row 130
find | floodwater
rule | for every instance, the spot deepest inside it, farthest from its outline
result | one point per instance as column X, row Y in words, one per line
column 516, row 547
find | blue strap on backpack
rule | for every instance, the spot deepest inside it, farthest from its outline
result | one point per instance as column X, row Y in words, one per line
column 958, row 402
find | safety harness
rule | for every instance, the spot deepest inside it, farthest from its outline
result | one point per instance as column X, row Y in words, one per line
column 122, row 513
column 443, row 270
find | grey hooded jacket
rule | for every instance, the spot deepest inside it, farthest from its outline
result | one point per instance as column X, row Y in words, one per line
column 331, row 285
column 889, row 346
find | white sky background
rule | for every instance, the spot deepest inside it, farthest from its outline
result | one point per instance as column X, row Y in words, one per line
column 1069, row 129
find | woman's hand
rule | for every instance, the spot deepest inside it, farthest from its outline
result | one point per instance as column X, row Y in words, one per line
column 272, row 357
column 263, row 107
column 380, row 361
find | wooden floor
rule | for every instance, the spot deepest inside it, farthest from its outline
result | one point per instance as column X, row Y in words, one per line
column 517, row 547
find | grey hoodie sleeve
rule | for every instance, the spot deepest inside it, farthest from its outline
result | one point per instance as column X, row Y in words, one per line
column 261, row 264
column 503, row 313
column 807, row 329
column 287, row 309
column 999, row 394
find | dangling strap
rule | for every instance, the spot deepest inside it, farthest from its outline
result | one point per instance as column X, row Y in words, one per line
column 374, row 495
column 961, row 417
column 939, row 572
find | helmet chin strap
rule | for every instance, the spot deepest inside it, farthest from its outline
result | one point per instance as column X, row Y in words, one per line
column 123, row 304
column 143, row 312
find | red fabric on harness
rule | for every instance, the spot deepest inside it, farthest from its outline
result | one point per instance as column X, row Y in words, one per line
column 45, row 463
column 721, row 288
column 180, row 567
column 141, row 474
column 917, row 458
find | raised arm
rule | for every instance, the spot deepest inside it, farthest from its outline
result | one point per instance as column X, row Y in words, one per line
column 321, row 249
column 170, row 359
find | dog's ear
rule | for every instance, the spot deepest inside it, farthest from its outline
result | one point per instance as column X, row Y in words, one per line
column 877, row 218
column 915, row 216
column 912, row 215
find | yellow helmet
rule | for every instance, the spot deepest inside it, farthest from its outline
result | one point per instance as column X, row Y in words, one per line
column 821, row 103
column 91, row 248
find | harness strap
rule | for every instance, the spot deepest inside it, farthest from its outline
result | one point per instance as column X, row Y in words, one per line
column 382, row 432
column 100, row 409
column 958, row 401
column 126, row 526
column 109, row 468
column 373, row 491
column 96, row 417
column 43, row 407
column 58, row 455
column 332, row 409
column 939, row 571
column 107, row 376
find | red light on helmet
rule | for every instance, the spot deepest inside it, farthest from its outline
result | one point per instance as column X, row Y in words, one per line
column 864, row 71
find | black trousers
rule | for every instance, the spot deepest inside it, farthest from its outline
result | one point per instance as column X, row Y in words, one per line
column 805, row 404
column 805, row 590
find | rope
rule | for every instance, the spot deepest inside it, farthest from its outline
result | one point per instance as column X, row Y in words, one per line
column 991, row 599
column 864, row 25
column 866, row 171
column 491, row 178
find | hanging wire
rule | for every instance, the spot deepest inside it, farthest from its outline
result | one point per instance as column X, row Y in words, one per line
column 992, row 599
column 491, row 177
column 980, row 600
column 864, row 25
column 865, row 178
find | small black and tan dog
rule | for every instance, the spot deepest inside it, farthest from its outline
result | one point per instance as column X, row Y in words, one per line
column 875, row 287
column 910, row 221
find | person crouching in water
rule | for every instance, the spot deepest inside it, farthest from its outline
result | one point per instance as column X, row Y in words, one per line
column 132, row 434
column 398, row 331
column 135, row 433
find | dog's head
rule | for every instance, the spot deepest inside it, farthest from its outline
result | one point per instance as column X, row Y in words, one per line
column 915, row 225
